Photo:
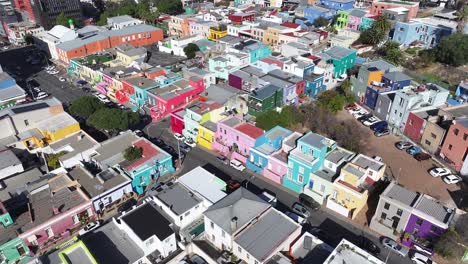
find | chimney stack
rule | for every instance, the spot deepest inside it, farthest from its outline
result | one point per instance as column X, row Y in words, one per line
column 233, row 224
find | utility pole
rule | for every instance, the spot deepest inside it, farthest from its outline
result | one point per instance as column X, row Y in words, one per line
column 398, row 176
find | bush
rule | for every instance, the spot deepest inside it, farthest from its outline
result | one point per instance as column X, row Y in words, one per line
column 113, row 119
column 53, row 161
column 133, row 153
column 288, row 116
column 190, row 50
column 85, row 106
column 321, row 22
column 453, row 50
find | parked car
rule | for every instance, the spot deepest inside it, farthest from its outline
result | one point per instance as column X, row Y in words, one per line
column 322, row 235
column 232, row 185
column 297, row 218
column 379, row 126
column 185, row 148
column 190, row 142
column 422, row 156
column 350, row 106
column 370, row 121
column 452, row 179
column 354, row 110
column 403, row 145
column 359, row 114
column 308, row 202
column 179, row 137
column 126, row 205
column 395, row 247
column 413, row 150
column 381, row 133
column 53, row 72
column 419, row 258
column 195, row 259
column 62, row 79
column 158, row 142
column 378, row 158
column 439, row 172
column 300, row 209
column 365, row 117
column 222, row 159
column 269, row 197
column 366, row 244
column 41, row 95
column 89, row 227
column 237, row 165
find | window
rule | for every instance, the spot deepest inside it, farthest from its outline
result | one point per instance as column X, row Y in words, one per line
column 212, row 225
column 181, row 217
column 301, row 170
column 434, row 228
column 75, row 219
column 237, row 138
column 386, row 206
column 411, row 122
column 248, row 256
column 290, row 164
column 399, row 212
column 465, row 136
column 20, row 250
column 383, row 216
column 455, row 131
column 49, row 232
column 419, row 222
column 450, row 147
column 239, row 249
column 322, row 188
column 300, row 179
column 187, row 213
column 433, row 135
column 427, row 142
column 26, row 122
column 289, row 175
column 213, row 238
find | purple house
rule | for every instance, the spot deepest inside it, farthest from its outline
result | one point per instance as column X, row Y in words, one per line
column 234, row 137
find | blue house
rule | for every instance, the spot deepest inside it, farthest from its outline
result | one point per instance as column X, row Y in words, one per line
column 255, row 49
column 264, row 146
column 141, row 85
column 308, row 156
column 461, row 94
column 313, row 81
column 313, row 12
column 396, row 80
column 338, row 4
column 426, row 32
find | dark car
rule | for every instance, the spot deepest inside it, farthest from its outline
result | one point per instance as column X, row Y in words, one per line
column 364, row 117
column 366, row 244
column 222, row 159
column 379, row 126
column 232, row 185
column 126, row 206
column 308, row 202
column 421, row 156
column 185, row 148
column 158, row 142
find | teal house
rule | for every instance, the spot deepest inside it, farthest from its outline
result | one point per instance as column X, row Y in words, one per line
column 256, row 49
column 308, row 157
column 140, row 85
column 153, row 163
column 366, row 23
column 12, row 248
column 342, row 59
column 266, row 145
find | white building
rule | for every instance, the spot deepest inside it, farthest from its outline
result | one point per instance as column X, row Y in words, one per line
column 48, row 40
column 148, row 229
column 17, row 31
column 176, row 45
column 205, row 184
column 124, row 21
column 347, row 252
column 9, row 164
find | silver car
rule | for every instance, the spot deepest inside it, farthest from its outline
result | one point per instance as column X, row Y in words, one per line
column 395, row 247
column 300, row 210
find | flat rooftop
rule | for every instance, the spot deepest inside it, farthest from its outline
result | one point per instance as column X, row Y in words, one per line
column 310, row 249
column 77, row 253
column 94, row 185
column 347, row 252
column 178, row 198
column 146, row 221
column 74, row 144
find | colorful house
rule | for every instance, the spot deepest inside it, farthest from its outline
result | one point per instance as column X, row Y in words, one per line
column 267, row 98
column 140, row 86
column 389, row 81
column 199, row 113
column 234, row 138
column 455, row 146
column 12, row 248
column 266, row 145
column 256, row 50
column 343, row 59
column 314, row 81
column 222, row 66
column 80, row 249
column 217, row 32
column 338, row 4
column 320, row 185
column 247, row 78
column 342, row 19
column 306, row 158
column 238, row 18
column 206, row 134
column 313, row 12
column 153, row 163
column 177, row 121
column 351, row 189
column 378, row 7
column 369, row 72
column 290, row 96
column 359, row 19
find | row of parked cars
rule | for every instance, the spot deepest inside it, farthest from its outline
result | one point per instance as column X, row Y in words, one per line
column 379, row 127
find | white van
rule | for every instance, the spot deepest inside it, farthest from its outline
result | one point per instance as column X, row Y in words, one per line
column 237, row 165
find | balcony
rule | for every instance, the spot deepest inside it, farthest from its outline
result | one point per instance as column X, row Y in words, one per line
column 338, row 207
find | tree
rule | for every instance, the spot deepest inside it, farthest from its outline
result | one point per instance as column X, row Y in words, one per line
column 103, row 18
column 453, row 50
column 372, row 36
column 391, row 52
column 450, row 245
column 190, row 50
column 85, row 106
column 331, row 100
column 28, row 38
column 462, row 18
column 381, row 24
column 53, row 161
column 62, row 19
column 321, row 22
column 171, row 7
column 100, row 5
column 113, row 119
column 133, row 153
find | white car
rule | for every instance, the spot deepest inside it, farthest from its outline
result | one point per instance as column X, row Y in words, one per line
column 89, row 227
column 359, row 114
column 419, row 258
column 190, row 142
column 452, row 179
column 370, row 121
column 62, row 79
column 237, row 165
column 41, row 95
column 49, row 68
column 37, row 89
column 179, row 137
column 54, row 72
column 378, row 158
column 440, row 172
column 395, row 247
column 355, row 110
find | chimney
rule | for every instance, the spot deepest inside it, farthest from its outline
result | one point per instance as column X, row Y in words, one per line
column 233, row 224
column 56, row 211
column 80, row 136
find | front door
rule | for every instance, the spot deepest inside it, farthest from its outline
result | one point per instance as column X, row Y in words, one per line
column 396, row 221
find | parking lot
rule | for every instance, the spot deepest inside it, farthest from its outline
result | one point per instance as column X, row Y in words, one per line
column 403, row 168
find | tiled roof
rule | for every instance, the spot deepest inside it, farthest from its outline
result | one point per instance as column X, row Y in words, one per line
column 250, row 130
column 149, row 152
column 290, row 24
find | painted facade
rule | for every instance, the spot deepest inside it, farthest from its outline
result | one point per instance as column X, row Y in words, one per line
column 177, row 121
column 313, row 12
column 455, row 146
column 267, row 98
column 342, row 19
column 197, row 114
column 338, row 4
column 342, row 59
column 425, row 32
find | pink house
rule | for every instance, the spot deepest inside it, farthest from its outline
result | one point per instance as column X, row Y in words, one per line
column 57, row 209
column 177, row 121
column 234, row 138
column 278, row 162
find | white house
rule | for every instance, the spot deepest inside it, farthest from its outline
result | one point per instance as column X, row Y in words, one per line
column 119, row 22
column 200, row 181
column 176, row 45
column 17, row 31
column 148, row 229
column 48, row 40
column 9, row 164
column 347, row 252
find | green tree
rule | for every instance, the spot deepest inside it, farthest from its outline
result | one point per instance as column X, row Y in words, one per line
column 113, row 119
column 453, row 50
column 53, row 161
column 190, row 50
column 133, row 153
column 28, row 38
column 103, row 18
column 462, row 18
column 331, row 101
column 62, row 19
column 171, row 7
column 372, row 36
column 381, row 24
column 321, row 22
column 392, row 53
column 85, row 106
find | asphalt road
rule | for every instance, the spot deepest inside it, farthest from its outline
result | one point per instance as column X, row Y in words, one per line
column 334, row 226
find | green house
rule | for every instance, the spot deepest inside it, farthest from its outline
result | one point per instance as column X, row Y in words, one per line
column 342, row 59
column 341, row 19
column 267, row 98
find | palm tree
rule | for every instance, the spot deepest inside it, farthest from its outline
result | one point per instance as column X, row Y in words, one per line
column 382, row 24
column 462, row 18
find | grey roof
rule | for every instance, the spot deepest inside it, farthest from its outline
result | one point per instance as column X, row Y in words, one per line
column 351, row 169
column 78, row 255
column 277, row 132
column 263, row 238
column 7, row 159
column 379, row 64
column 142, row 82
column 433, row 208
column 210, row 125
column 232, row 121
column 338, row 52
column 241, row 204
column 320, row 9
column 367, row 162
column 110, row 151
column 11, row 92
column 204, row 184
column 16, row 185
column 400, row 194
column 291, row 141
column 98, row 184
column 178, row 198
column 265, row 92
column 253, row 70
column 326, row 174
column 78, row 142
column 120, row 19
column 220, row 93
column 396, row 76
column 339, row 155
column 358, row 12
column 314, row 140
column 276, row 81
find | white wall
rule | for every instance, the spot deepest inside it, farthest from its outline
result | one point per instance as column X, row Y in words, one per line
column 188, row 217
column 114, row 194
column 10, row 170
column 217, row 233
column 76, row 159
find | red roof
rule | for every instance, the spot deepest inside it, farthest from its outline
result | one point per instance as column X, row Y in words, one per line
column 149, row 151
column 370, row 181
column 359, row 190
column 290, row 24
column 272, row 61
column 250, row 130
column 313, row 57
column 290, row 34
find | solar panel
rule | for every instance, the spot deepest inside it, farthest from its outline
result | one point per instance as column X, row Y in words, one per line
column 27, row 108
column 308, row 243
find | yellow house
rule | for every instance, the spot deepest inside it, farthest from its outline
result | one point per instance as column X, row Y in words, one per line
column 206, row 134
column 217, row 32
column 272, row 34
column 352, row 187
